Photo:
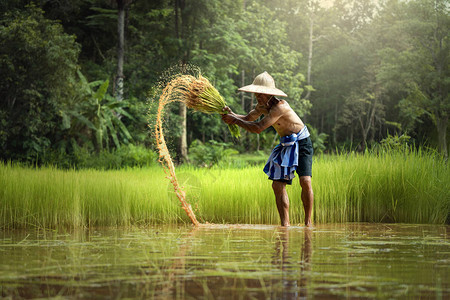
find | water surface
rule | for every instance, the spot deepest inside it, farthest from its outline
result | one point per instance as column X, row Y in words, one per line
column 335, row 261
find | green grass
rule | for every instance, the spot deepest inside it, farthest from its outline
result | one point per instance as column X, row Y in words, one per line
column 390, row 187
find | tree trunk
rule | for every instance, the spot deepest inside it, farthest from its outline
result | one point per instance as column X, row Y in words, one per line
column 258, row 143
column 224, row 134
column 372, row 131
column 365, row 128
column 310, row 54
column 177, row 18
column 179, row 6
column 335, row 123
column 371, row 121
column 183, row 138
column 441, row 121
column 243, row 93
column 253, row 95
column 364, row 134
column 441, row 125
column 351, row 136
column 120, row 49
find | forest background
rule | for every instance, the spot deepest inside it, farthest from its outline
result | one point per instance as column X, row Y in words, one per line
column 80, row 78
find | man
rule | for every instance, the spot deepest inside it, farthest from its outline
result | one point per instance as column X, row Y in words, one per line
column 293, row 154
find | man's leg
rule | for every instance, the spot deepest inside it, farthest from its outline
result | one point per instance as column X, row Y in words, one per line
column 307, row 198
column 281, row 196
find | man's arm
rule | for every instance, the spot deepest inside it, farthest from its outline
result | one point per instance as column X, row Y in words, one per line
column 255, row 127
column 253, row 115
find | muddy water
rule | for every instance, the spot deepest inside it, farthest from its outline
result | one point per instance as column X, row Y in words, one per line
column 357, row 261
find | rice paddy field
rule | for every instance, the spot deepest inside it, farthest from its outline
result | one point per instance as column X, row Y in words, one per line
column 380, row 232
column 391, row 187
column 329, row 261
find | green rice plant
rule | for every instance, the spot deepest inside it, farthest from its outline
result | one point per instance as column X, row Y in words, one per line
column 400, row 187
column 48, row 197
column 386, row 187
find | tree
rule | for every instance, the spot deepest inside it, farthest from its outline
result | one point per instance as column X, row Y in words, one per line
column 266, row 46
column 99, row 113
column 361, row 110
column 313, row 9
column 420, row 65
column 38, row 64
column 203, row 30
column 344, row 70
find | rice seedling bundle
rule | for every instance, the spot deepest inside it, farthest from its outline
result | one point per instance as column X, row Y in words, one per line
column 199, row 94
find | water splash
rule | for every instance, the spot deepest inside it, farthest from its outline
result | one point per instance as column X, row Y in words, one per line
column 172, row 92
column 197, row 93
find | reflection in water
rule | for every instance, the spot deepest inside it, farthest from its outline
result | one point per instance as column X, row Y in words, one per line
column 370, row 261
column 305, row 265
column 294, row 283
column 175, row 281
column 286, row 279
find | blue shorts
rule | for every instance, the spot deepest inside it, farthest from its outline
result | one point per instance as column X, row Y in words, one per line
column 305, row 154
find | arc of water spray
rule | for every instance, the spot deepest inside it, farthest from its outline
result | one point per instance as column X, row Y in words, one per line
column 164, row 155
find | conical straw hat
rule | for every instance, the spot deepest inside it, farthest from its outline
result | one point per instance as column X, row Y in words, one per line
column 263, row 84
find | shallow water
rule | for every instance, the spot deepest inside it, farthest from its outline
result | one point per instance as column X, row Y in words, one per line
column 377, row 261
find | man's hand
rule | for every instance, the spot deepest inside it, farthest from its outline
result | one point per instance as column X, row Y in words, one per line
column 229, row 118
column 228, row 110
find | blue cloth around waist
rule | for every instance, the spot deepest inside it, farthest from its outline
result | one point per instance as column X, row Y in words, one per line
column 283, row 161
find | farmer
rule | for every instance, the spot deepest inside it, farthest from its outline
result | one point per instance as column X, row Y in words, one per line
column 293, row 154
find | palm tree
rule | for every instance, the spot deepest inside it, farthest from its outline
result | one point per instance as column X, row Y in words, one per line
column 95, row 113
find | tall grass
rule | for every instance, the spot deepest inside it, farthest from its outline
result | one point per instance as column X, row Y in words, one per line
column 389, row 187
column 48, row 197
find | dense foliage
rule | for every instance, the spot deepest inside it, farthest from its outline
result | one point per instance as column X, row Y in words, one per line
column 358, row 71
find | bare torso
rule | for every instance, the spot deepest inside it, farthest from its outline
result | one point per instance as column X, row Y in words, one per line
column 288, row 122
